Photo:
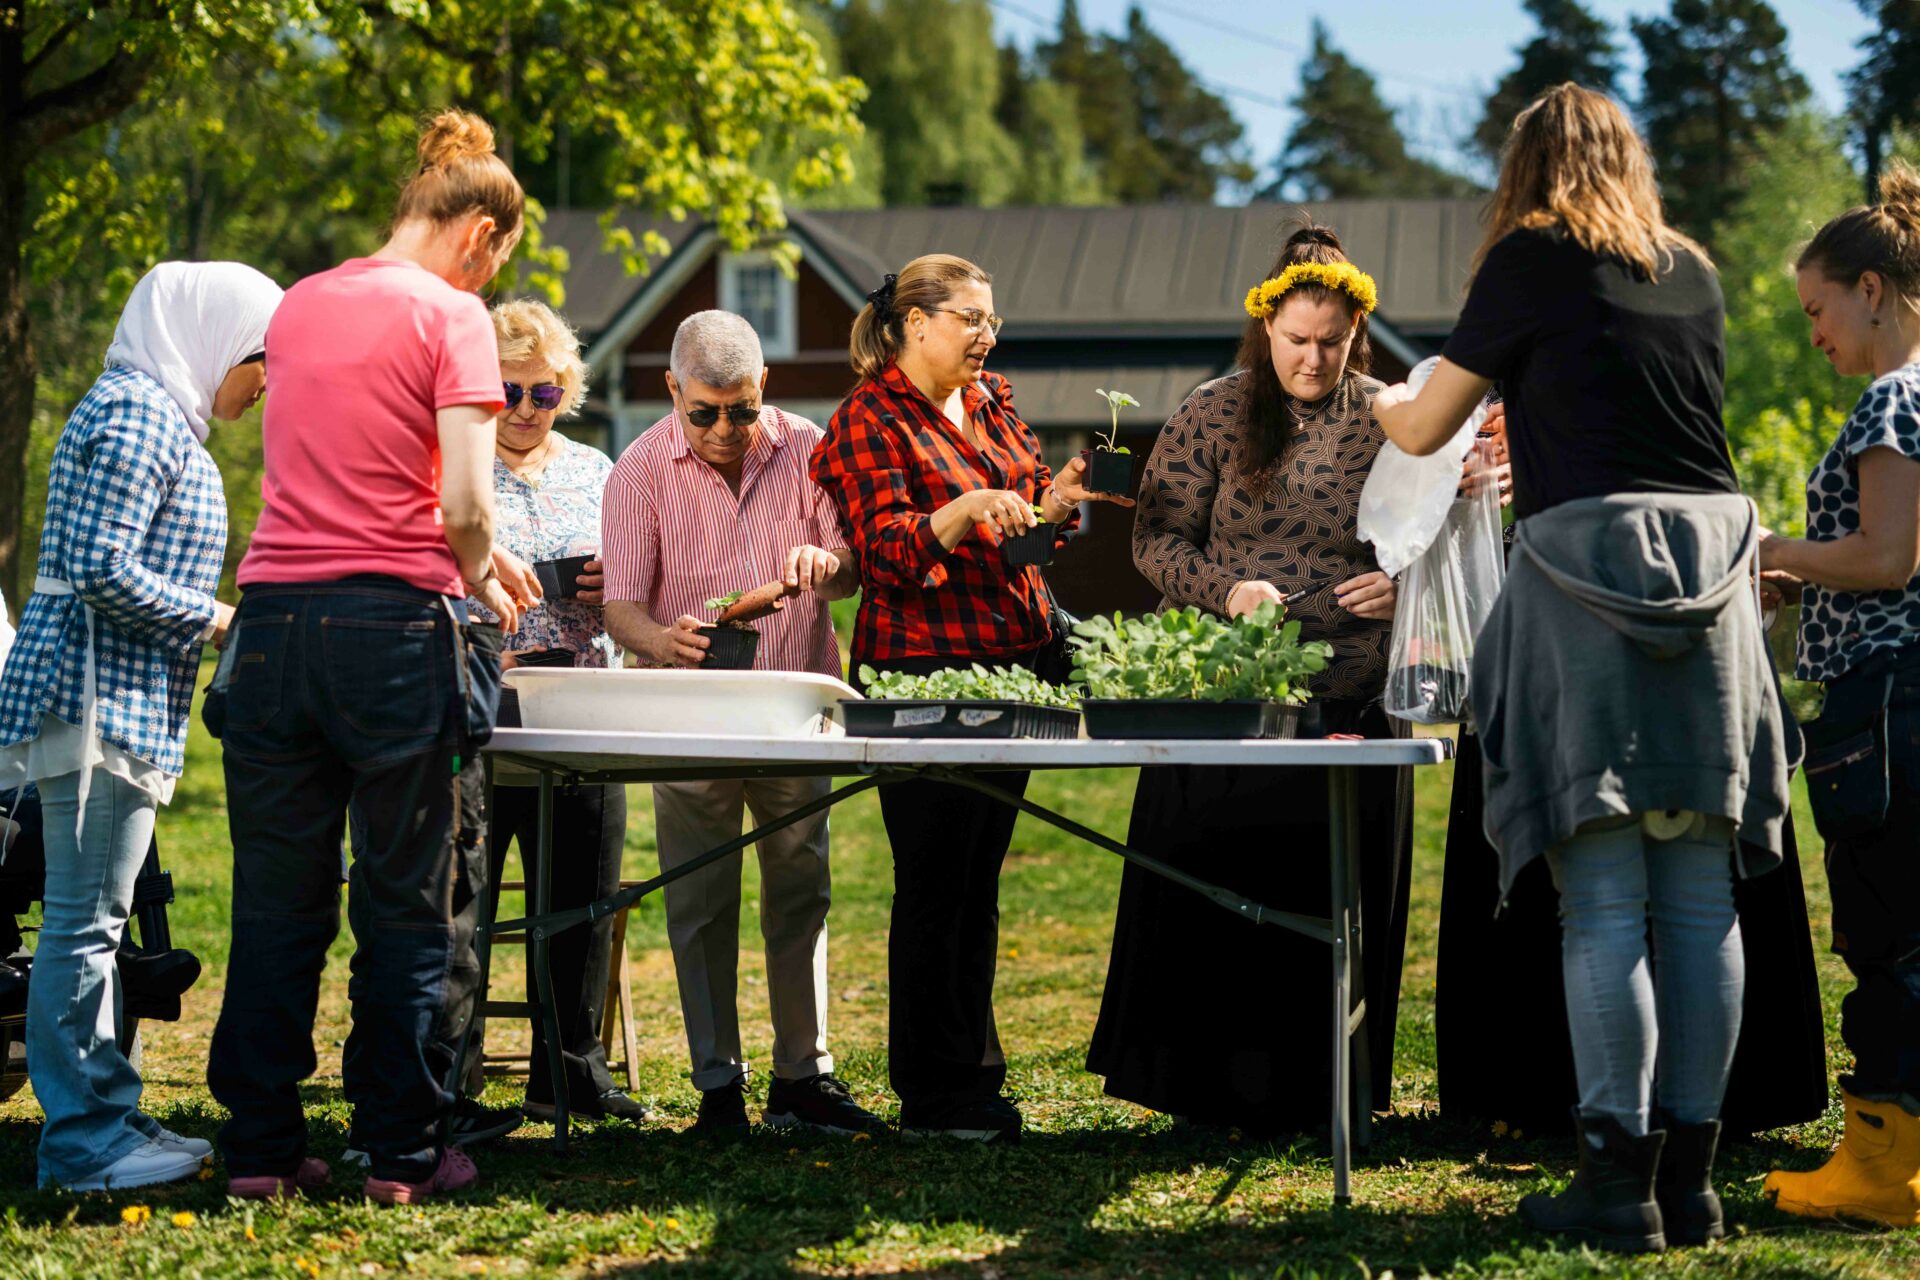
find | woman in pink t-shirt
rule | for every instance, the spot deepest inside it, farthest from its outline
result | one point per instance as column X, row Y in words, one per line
column 349, row 686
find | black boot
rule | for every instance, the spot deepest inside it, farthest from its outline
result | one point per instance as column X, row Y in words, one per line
column 1610, row 1202
column 1689, row 1206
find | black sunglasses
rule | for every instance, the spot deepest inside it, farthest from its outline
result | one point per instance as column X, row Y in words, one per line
column 546, row 395
column 741, row 416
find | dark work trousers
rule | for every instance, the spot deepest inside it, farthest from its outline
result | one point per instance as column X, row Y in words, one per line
column 347, row 693
column 943, row 938
column 589, row 831
column 1875, row 881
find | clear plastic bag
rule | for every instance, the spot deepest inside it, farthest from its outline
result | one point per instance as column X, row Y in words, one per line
column 1446, row 594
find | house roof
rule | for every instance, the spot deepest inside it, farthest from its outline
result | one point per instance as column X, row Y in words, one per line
column 1174, row 269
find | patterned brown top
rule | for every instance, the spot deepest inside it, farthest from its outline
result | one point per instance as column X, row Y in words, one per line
column 1200, row 528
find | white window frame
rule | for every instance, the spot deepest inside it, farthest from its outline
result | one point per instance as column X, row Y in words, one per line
column 775, row 346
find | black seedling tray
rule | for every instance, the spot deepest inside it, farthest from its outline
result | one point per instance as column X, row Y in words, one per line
column 732, row 648
column 955, row 718
column 1035, row 546
column 1150, row 718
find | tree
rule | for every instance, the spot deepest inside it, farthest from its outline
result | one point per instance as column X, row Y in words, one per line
column 1885, row 87
column 1571, row 44
column 1153, row 131
column 1717, row 79
column 1050, row 148
column 709, row 107
column 1346, row 143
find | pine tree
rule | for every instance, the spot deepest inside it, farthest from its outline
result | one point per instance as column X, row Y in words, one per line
column 1885, row 87
column 1039, row 115
column 1347, row 143
column 1571, row 44
column 1717, row 80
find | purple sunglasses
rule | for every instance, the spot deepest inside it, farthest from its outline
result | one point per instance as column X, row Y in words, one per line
column 546, row 395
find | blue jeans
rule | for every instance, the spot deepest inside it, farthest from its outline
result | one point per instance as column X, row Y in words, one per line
column 347, row 693
column 86, row 1087
column 1650, row 1024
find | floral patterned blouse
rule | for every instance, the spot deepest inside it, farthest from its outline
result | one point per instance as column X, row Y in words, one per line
column 1839, row 629
column 1200, row 528
column 555, row 515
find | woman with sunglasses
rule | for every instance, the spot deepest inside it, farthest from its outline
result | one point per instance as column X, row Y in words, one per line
column 547, row 493
column 932, row 469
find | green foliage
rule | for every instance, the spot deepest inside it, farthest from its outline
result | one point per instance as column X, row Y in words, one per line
column 973, row 683
column 1885, row 87
column 726, row 601
column 1717, row 80
column 1570, row 44
column 1187, row 654
column 1347, row 143
column 1116, row 400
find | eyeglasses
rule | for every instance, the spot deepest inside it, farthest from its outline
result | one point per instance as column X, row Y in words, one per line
column 741, row 415
column 546, row 395
column 973, row 318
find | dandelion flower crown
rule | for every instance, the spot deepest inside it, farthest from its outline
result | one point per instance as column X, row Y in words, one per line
column 1264, row 298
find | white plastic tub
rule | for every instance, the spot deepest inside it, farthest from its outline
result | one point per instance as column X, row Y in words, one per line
column 766, row 704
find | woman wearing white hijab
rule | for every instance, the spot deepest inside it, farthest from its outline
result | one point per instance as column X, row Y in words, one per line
column 95, row 692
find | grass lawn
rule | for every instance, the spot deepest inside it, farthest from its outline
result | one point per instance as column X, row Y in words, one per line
column 1097, row 1188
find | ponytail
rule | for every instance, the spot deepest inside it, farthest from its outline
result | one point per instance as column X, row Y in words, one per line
column 924, row 284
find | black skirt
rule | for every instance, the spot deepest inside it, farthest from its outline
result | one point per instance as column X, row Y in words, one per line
column 1209, row 1016
column 1499, row 976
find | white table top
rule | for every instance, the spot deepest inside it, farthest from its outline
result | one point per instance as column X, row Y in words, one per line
column 586, row 751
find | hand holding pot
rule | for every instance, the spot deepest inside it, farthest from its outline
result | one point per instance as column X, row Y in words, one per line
column 1070, row 487
column 592, row 583
column 1004, row 509
column 681, row 645
column 1778, row 587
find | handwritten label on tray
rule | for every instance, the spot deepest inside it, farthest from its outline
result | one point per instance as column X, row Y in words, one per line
column 973, row 717
column 914, row 717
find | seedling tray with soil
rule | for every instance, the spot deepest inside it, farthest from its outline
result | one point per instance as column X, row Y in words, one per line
column 955, row 718
column 1184, row 718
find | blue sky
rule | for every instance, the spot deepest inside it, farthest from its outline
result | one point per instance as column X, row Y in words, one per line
column 1435, row 60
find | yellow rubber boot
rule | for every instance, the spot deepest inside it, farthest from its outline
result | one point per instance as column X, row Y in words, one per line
column 1874, row 1175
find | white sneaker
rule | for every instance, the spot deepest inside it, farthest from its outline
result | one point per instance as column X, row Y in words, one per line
column 143, row 1166
column 167, row 1140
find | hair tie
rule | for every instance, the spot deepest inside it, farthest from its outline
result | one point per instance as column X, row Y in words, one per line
column 882, row 298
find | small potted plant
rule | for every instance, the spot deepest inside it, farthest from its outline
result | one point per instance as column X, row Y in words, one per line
column 732, row 642
column 1031, row 546
column 962, row 702
column 1187, row 674
column 1110, row 464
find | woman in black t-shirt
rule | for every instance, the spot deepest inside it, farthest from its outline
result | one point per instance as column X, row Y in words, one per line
column 1643, row 727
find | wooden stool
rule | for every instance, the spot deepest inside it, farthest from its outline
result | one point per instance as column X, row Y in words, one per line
column 619, row 998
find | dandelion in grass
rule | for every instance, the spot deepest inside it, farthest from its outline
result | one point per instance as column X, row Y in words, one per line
column 823, row 1164
column 205, row 1174
column 251, row 1238
column 1499, row 1128
column 671, row 1224
column 863, row 1137
column 305, row 1268
column 183, row 1219
column 135, row 1214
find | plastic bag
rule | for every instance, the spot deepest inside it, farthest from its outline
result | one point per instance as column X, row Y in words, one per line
column 1446, row 594
column 1406, row 499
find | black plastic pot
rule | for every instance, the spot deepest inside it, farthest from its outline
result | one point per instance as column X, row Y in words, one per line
column 732, row 648
column 1110, row 472
column 1155, row 718
column 1035, row 546
column 560, row 579
column 955, row 718
column 1438, row 693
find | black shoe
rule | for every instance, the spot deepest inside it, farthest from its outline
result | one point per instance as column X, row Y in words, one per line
column 611, row 1105
column 821, row 1103
column 1690, row 1209
column 155, row 975
column 474, row 1124
column 723, row 1111
column 1610, row 1202
column 974, row 1119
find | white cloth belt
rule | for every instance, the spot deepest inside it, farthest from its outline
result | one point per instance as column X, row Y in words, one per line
column 89, row 696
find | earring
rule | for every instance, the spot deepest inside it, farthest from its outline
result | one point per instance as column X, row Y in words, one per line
column 1875, row 322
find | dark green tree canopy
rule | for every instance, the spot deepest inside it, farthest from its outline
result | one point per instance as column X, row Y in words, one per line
column 1570, row 44
column 1885, row 87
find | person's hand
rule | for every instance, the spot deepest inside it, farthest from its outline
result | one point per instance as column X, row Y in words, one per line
column 1778, row 587
column 1069, row 485
column 809, row 568
column 592, row 582
column 1250, row 595
column 1004, row 509
column 1371, row 595
column 681, row 645
column 222, row 624
column 517, row 576
column 497, row 600
column 1500, row 473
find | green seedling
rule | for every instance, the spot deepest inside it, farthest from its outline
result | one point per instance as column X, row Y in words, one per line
column 1184, row 654
column 973, row 683
column 1116, row 400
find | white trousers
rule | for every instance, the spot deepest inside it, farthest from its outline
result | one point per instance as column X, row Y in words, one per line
column 703, row 921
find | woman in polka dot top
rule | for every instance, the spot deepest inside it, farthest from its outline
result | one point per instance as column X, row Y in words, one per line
column 1857, row 575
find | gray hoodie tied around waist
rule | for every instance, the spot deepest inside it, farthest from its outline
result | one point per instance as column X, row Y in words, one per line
column 1624, row 669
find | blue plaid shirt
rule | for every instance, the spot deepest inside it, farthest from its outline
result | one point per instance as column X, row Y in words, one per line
column 137, row 523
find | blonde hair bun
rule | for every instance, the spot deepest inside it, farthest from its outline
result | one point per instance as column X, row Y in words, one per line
column 453, row 136
column 1900, row 188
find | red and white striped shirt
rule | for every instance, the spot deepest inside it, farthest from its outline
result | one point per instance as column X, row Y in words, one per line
column 674, row 535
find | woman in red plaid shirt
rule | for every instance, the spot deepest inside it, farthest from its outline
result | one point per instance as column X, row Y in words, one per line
column 931, row 467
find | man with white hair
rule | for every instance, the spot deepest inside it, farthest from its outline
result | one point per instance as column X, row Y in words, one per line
column 714, row 498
